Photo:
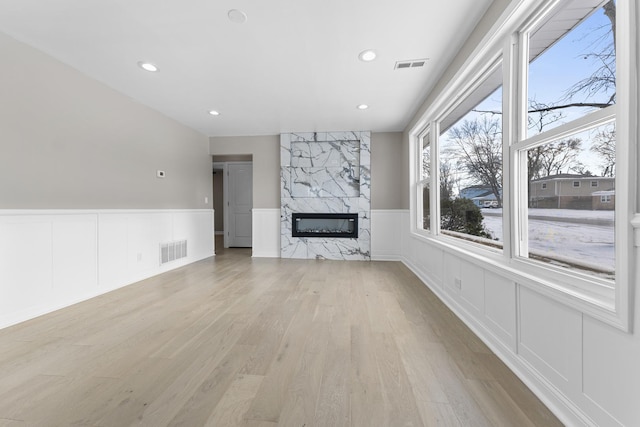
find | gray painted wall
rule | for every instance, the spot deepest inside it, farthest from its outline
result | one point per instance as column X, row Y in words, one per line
column 70, row 142
column 388, row 177
column 405, row 194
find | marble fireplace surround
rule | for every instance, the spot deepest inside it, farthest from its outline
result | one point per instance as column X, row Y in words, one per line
column 325, row 172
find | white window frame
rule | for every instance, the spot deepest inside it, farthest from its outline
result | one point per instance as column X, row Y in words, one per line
column 478, row 79
column 600, row 299
column 422, row 181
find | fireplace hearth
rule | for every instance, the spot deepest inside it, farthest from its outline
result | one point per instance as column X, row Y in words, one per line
column 340, row 225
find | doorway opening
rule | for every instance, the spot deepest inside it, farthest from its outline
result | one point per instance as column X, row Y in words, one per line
column 233, row 200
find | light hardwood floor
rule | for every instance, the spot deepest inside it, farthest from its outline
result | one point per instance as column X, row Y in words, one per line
column 236, row 341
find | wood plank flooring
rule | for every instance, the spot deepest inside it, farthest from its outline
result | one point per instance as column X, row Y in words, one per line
column 236, row 341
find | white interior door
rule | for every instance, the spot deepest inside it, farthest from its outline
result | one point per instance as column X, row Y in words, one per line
column 240, row 200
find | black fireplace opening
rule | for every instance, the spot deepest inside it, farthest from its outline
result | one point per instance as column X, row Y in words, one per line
column 342, row 225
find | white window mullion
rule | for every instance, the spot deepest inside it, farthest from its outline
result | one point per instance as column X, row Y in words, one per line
column 435, row 177
column 627, row 181
column 509, row 134
column 521, row 201
column 588, row 121
column 417, row 181
column 520, row 228
column 417, row 146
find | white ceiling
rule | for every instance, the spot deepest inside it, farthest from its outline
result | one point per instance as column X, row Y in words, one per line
column 293, row 66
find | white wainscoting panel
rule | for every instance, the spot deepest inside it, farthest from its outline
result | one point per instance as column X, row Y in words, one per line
column 500, row 307
column 550, row 338
column 430, row 262
column 472, row 283
column 412, row 248
column 386, row 232
column 266, row 233
column 75, row 261
column 451, row 266
column 408, row 249
column 26, row 264
column 52, row 259
column 433, row 260
column 611, row 373
column 192, row 226
column 113, row 243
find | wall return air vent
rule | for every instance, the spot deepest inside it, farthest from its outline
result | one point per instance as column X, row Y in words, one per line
column 172, row 251
column 410, row 63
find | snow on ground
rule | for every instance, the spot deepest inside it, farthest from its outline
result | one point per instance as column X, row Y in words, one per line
column 560, row 233
column 560, row 213
column 572, row 213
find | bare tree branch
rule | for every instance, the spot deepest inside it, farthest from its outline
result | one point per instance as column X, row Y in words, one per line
column 605, row 146
column 603, row 79
column 573, row 104
column 480, row 145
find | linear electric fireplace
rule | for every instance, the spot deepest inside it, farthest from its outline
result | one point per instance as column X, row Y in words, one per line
column 325, row 225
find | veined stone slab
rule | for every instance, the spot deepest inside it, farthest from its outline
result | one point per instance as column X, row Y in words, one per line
column 326, row 172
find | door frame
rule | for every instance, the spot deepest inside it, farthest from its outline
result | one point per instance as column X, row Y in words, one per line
column 225, row 197
column 220, row 210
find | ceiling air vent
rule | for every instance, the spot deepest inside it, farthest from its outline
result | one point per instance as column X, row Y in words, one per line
column 412, row 63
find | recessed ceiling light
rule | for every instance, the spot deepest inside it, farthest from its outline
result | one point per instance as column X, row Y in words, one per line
column 214, row 113
column 363, row 107
column 237, row 16
column 367, row 55
column 148, row 66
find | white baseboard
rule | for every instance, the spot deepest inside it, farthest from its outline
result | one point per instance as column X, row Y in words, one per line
column 272, row 254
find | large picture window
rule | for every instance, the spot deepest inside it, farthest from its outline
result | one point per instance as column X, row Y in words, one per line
column 571, row 72
column 470, row 159
column 523, row 153
column 567, row 225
